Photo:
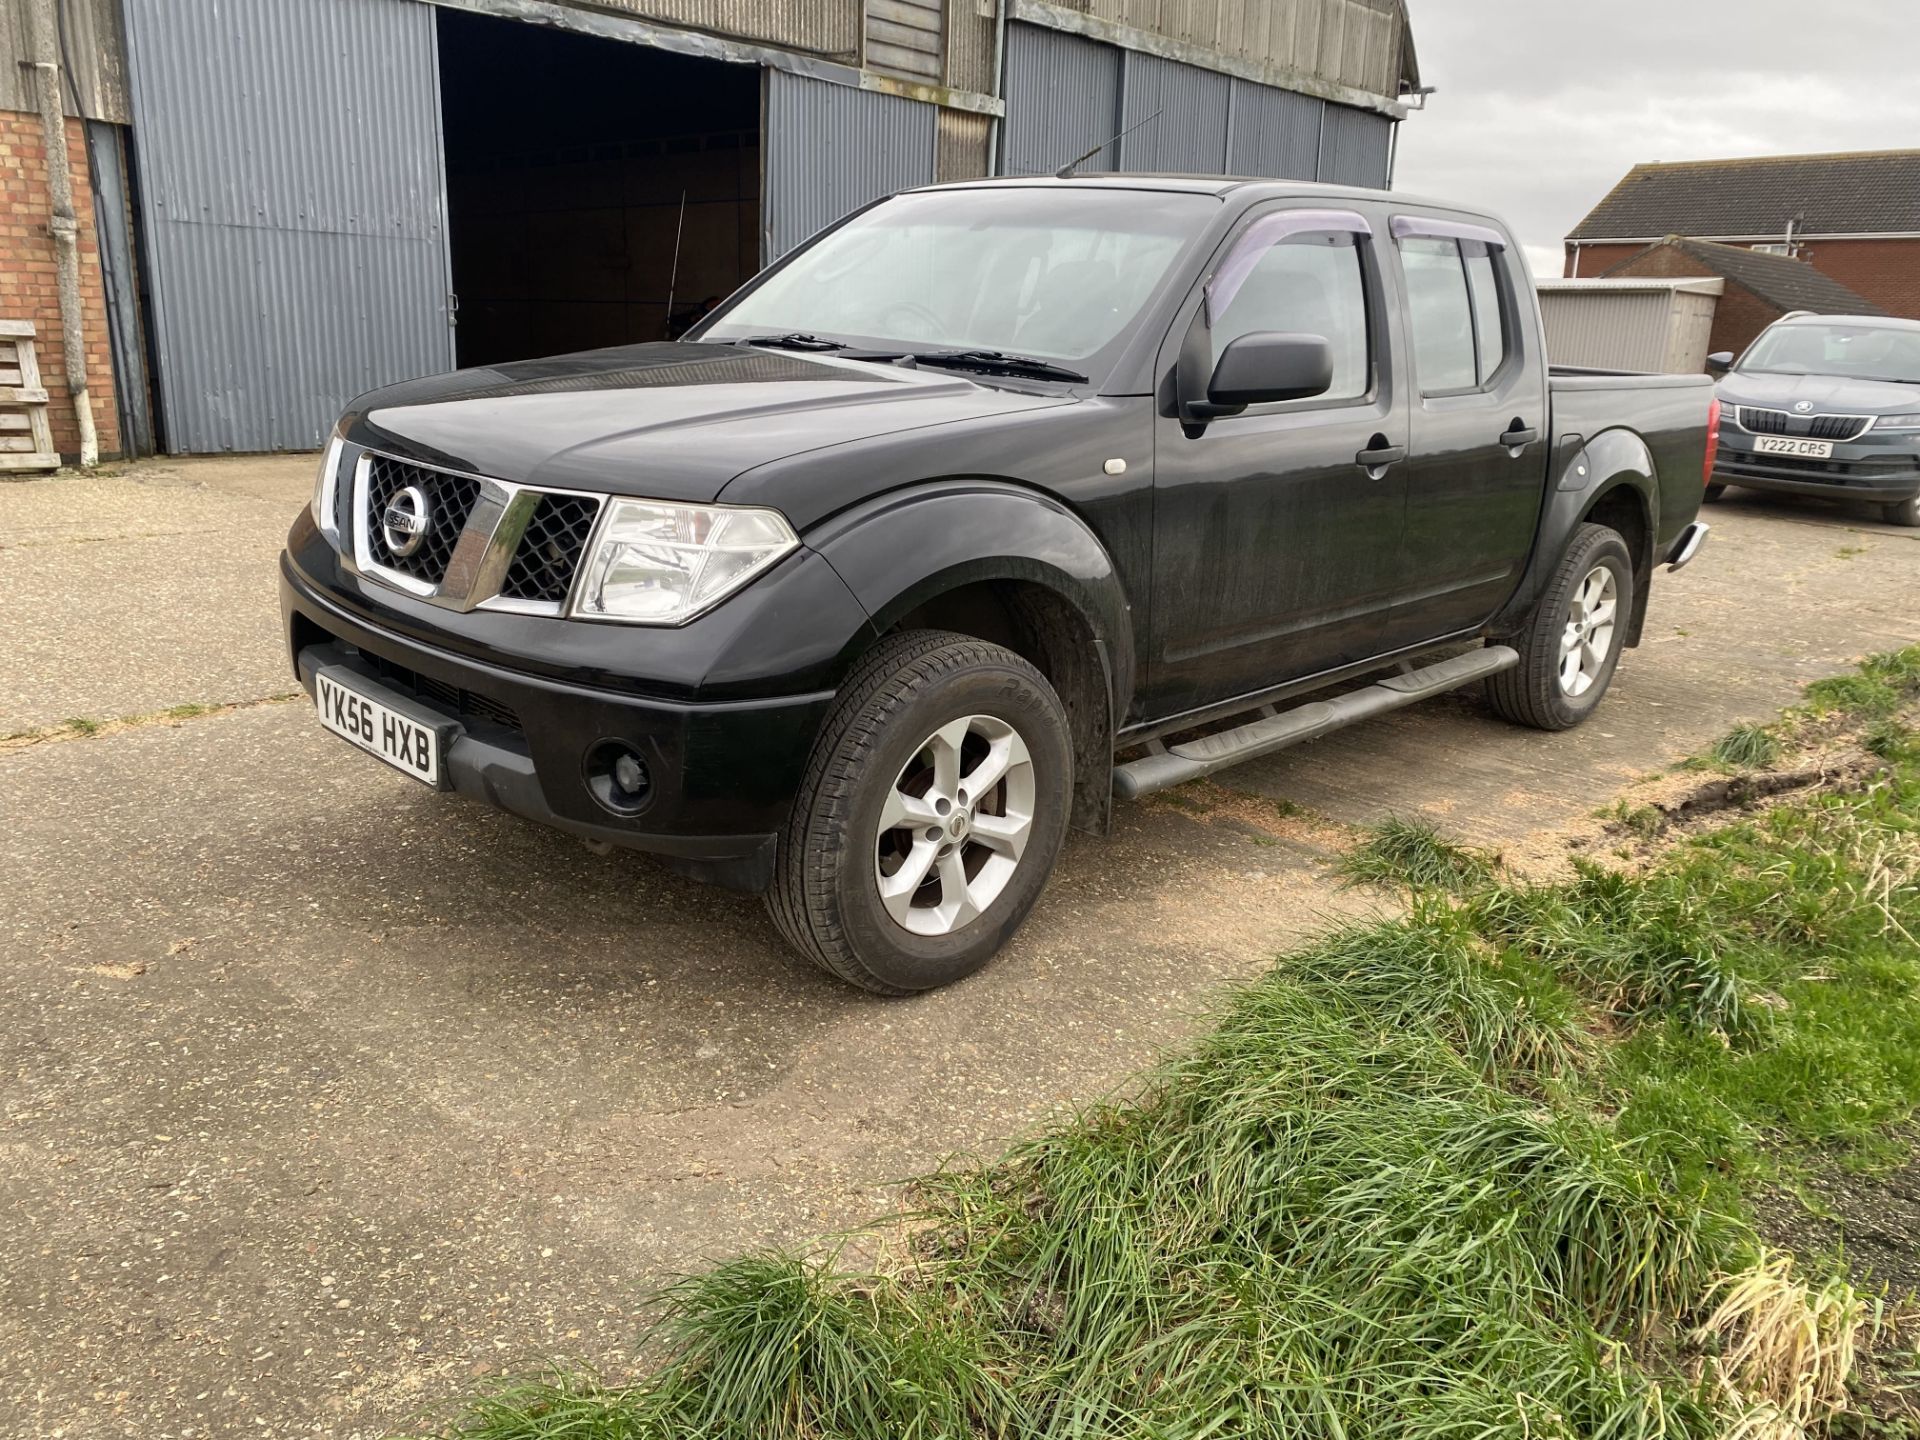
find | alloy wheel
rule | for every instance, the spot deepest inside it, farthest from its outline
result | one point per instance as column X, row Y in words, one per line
column 954, row 825
column 1587, row 640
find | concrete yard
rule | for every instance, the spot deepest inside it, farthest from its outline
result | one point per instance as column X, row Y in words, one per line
column 322, row 1095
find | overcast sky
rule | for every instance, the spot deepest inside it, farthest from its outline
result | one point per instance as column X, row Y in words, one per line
column 1544, row 104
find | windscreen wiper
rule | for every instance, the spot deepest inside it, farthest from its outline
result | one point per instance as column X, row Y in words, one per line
column 814, row 343
column 797, row 340
column 998, row 362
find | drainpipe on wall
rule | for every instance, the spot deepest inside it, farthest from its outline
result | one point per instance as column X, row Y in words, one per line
column 999, row 84
column 64, row 225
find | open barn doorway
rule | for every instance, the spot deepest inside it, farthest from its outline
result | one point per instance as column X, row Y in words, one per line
column 577, row 168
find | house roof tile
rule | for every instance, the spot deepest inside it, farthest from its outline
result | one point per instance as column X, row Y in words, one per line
column 1869, row 193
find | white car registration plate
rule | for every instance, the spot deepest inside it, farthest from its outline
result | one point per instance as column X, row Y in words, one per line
column 1787, row 445
column 373, row 719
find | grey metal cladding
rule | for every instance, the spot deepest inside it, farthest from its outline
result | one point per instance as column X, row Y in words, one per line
column 1063, row 98
column 1356, row 147
column 294, row 210
column 1274, row 133
column 1190, row 133
column 831, row 149
column 1064, row 95
column 1359, row 45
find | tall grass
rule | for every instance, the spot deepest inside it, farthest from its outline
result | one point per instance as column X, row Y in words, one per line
column 1478, row 1172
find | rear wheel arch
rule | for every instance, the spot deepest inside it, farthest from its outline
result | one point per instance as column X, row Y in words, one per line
column 1615, row 474
column 1627, row 510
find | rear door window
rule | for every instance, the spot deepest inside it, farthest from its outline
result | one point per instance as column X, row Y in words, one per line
column 1489, row 317
column 1440, row 308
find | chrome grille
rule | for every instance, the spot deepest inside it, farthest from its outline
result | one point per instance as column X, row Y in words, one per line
column 450, row 500
column 1806, row 427
column 550, row 551
column 488, row 543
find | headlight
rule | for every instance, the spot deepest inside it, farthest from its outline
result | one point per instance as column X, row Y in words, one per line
column 326, row 490
column 658, row 564
column 1898, row 424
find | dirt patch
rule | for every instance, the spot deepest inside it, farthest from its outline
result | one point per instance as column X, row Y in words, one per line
column 1261, row 818
column 1664, row 810
column 1747, row 791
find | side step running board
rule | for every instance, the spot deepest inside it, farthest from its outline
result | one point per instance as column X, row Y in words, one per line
column 1177, row 764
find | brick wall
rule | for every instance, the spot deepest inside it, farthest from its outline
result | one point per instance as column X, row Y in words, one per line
column 1740, row 315
column 1596, row 260
column 1887, row 272
column 29, row 286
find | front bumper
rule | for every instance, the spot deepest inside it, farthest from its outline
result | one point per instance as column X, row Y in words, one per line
column 723, row 774
column 1876, row 468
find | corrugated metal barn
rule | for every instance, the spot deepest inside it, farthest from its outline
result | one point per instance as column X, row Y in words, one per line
column 331, row 194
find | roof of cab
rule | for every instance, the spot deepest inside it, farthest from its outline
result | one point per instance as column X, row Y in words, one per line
column 1253, row 187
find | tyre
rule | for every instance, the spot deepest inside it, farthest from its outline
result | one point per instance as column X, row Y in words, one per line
column 932, row 812
column 1714, row 492
column 1903, row 512
column 1571, row 641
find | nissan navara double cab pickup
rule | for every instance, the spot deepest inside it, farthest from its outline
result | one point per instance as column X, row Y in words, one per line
column 988, row 505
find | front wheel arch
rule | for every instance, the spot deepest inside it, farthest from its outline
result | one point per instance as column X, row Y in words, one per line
column 1016, row 568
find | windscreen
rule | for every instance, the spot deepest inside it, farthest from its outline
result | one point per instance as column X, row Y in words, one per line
column 1052, row 272
column 1853, row 352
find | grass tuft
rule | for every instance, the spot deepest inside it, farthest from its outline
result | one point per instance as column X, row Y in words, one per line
column 1899, row 669
column 1747, row 747
column 1855, row 697
column 1782, row 1348
column 1412, row 855
column 560, row 1405
column 776, row 1344
column 1888, row 738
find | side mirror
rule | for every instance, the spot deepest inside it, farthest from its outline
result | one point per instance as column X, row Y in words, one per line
column 1720, row 362
column 1268, row 366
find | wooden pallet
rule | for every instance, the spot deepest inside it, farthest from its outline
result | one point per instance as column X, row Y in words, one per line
column 26, row 436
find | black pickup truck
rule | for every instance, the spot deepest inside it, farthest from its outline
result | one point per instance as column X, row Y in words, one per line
column 991, row 503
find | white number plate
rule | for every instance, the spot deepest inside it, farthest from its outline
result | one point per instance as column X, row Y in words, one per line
column 401, row 741
column 1786, row 445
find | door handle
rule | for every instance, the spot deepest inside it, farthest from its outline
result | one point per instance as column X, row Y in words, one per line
column 1518, row 437
column 1376, row 460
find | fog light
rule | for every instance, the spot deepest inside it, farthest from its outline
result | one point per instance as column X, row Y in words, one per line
column 630, row 775
column 618, row 778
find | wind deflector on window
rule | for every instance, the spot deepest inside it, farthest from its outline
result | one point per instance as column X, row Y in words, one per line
column 1420, row 227
column 1263, row 235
